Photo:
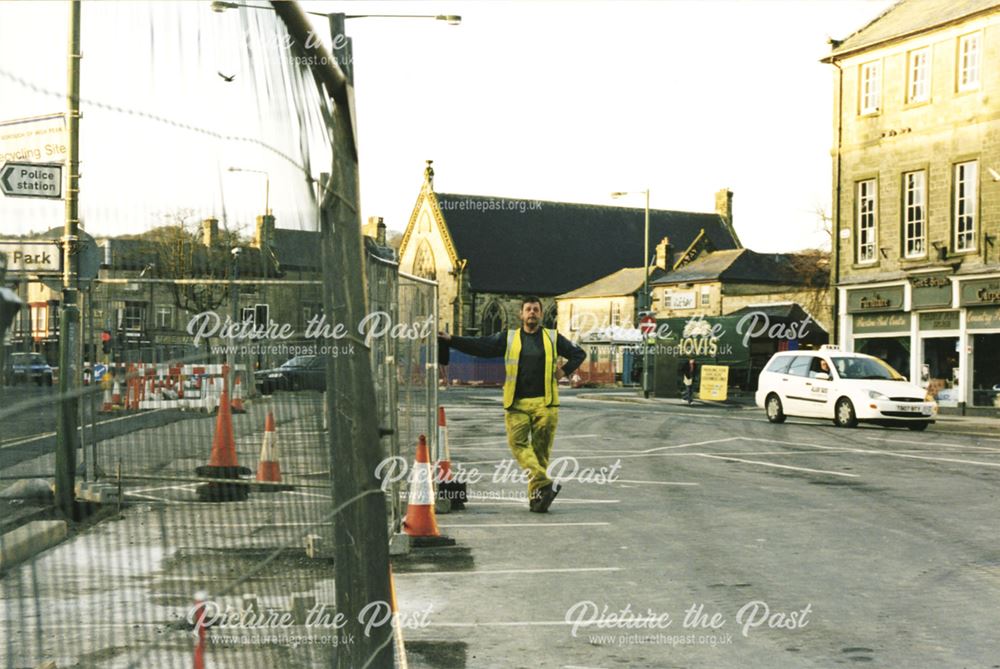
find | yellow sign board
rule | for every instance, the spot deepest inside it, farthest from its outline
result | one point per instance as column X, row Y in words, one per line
column 714, row 382
column 41, row 139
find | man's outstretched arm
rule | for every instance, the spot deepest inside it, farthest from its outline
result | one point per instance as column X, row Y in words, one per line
column 492, row 346
column 574, row 355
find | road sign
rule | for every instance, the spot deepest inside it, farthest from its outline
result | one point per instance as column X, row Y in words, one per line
column 33, row 257
column 31, row 180
column 647, row 324
column 38, row 139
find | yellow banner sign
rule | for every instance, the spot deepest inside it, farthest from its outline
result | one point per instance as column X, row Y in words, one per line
column 714, row 382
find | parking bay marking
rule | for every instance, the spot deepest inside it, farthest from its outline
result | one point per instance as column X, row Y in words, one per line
column 772, row 464
column 884, row 453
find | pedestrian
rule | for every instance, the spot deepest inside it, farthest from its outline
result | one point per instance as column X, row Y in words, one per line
column 530, row 391
column 688, row 371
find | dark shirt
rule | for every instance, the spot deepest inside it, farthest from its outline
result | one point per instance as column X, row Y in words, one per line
column 531, row 363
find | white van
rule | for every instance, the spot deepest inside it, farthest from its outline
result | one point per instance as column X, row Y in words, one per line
column 846, row 387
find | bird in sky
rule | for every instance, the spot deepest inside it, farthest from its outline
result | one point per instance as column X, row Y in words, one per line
column 229, row 78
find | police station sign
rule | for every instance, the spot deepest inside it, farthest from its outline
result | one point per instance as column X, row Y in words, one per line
column 31, row 257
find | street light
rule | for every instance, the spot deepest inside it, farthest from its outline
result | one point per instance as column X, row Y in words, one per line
column 267, row 186
column 645, row 302
column 450, row 19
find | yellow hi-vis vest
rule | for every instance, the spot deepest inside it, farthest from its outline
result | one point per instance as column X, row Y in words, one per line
column 513, row 355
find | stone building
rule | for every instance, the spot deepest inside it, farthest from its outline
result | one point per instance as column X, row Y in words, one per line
column 486, row 253
column 916, row 166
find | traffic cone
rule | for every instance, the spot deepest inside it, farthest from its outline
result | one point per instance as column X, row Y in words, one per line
column 198, row 620
column 420, row 522
column 108, row 404
column 238, row 394
column 268, row 469
column 116, row 394
column 449, row 489
column 222, row 463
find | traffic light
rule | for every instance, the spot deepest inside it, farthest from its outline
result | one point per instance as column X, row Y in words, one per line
column 106, row 342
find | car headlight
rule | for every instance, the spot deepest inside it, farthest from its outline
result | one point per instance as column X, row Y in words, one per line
column 876, row 395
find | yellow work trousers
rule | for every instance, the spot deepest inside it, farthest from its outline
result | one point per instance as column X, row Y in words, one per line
column 531, row 429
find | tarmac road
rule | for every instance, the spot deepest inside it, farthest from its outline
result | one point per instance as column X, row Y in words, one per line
column 725, row 542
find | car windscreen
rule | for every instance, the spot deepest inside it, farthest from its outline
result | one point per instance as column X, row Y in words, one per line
column 300, row 361
column 865, row 368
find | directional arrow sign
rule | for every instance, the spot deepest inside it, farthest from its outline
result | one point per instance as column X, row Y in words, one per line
column 31, row 180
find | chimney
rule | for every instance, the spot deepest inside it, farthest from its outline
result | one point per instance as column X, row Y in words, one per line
column 375, row 228
column 724, row 205
column 264, row 235
column 210, row 232
column 663, row 253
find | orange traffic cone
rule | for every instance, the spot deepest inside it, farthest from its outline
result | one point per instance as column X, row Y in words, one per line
column 448, row 488
column 268, row 469
column 420, row 520
column 238, row 394
column 222, row 463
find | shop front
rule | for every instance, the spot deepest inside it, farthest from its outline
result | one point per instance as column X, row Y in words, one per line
column 981, row 299
column 941, row 330
column 880, row 327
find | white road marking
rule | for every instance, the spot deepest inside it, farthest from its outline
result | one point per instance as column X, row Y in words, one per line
column 498, row 572
column 489, row 502
column 26, row 440
column 467, row 525
column 694, row 443
column 452, row 440
column 771, row 464
column 889, row 454
column 928, row 443
column 655, row 482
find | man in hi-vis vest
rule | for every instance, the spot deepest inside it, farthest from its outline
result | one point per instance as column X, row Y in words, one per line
column 530, row 394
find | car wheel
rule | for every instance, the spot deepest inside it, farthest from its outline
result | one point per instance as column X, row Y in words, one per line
column 775, row 412
column 919, row 426
column 48, row 380
column 844, row 415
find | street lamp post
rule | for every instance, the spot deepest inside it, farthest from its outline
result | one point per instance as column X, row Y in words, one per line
column 267, row 186
column 644, row 303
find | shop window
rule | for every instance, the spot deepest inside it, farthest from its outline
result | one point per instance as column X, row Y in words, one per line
column 895, row 351
column 985, row 365
column 939, row 369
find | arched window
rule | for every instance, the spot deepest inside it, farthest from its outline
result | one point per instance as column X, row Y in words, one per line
column 494, row 319
column 549, row 320
column 423, row 264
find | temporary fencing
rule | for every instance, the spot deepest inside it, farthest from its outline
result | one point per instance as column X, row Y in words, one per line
column 160, row 442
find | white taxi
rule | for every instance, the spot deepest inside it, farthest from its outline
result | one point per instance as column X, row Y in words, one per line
column 846, row 387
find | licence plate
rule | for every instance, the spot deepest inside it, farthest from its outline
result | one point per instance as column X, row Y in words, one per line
column 274, row 376
column 908, row 407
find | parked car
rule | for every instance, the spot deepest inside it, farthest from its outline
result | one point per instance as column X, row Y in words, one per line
column 304, row 372
column 846, row 387
column 30, row 367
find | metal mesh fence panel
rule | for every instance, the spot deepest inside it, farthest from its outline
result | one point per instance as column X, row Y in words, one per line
column 204, row 475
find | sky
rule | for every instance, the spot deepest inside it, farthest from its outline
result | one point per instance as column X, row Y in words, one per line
column 563, row 101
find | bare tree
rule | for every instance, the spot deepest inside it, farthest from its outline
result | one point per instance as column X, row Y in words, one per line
column 177, row 251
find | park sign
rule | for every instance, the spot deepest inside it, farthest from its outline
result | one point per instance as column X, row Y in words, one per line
column 31, row 180
column 31, row 257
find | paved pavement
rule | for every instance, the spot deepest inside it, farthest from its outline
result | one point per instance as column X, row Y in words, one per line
column 815, row 546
